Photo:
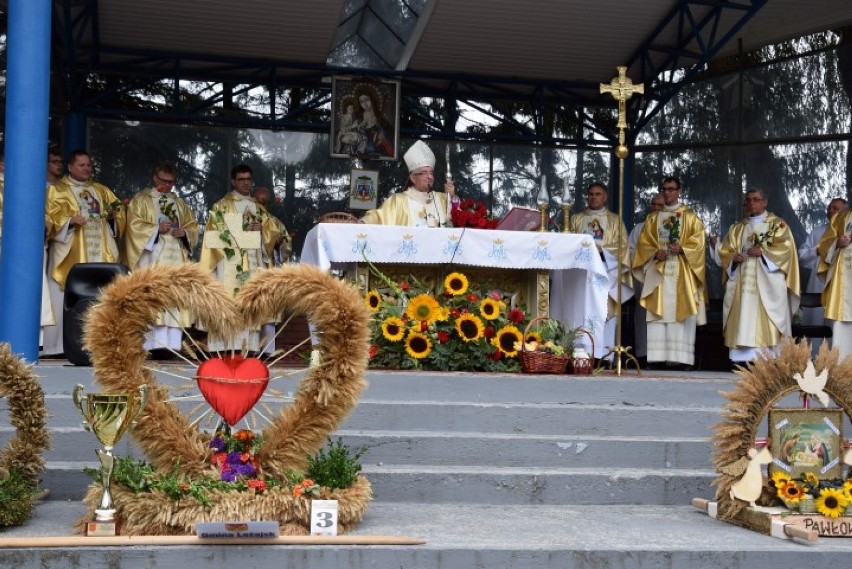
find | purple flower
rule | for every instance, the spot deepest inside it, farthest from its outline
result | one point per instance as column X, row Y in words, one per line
column 218, row 443
column 228, row 475
column 245, row 470
column 234, row 458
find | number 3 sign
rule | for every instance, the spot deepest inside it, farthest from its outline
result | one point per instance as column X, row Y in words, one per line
column 323, row 517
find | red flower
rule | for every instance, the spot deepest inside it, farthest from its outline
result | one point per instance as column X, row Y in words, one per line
column 404, row 286
column 782, row 225
column 218, row 459
column 495, row 356
column 443, row 337
column 424, row 326
column 455, row 313
column 126, row 201
column 374, row 349
column 516, row 316
column 489, row 332
column 258, row 485
column 677, row 214
column 472, row 297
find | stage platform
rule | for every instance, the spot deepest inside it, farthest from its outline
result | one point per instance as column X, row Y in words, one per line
column 509, row 471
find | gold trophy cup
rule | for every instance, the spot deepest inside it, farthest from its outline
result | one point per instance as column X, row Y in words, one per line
column 108, row 416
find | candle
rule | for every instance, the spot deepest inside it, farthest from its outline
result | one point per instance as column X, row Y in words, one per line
column 542, row 194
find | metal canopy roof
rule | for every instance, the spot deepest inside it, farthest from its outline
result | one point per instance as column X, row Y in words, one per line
column 537, row 50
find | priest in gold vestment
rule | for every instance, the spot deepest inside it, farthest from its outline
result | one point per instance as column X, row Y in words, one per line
column 669, row 260
column 84, row 222
column 603, row 226
column 761, row 278
column 233, row 270
column 835, row 268
column 418, row 205
column 161, row 230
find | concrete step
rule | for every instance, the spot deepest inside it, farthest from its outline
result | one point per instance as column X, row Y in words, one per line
column 476, row 449
column 483, row 485
column 575, row 419
column 460, row 536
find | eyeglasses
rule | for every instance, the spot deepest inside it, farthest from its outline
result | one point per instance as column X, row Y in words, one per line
column 670, row 189
column 748, row 200
column 166, row 181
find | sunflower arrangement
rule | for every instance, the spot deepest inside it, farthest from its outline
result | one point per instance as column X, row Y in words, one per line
column 808, row 493
column 462, row 327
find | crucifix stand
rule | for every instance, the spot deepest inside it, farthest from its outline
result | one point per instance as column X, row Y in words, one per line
column 621, row 88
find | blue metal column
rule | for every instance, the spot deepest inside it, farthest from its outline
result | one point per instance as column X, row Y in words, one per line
column 27, row 92
column 75, row 133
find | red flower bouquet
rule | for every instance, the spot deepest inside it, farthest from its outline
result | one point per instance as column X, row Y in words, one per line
column 472, row 213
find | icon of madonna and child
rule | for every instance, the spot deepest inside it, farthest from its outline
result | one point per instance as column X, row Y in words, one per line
column 364, row 129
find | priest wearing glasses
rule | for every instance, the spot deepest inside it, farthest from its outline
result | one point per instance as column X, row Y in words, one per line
column 418, row 205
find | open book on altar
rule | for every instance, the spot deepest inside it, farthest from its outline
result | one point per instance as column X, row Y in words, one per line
column 521, row 219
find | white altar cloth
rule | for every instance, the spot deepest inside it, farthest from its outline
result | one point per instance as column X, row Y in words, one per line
column 578, row 276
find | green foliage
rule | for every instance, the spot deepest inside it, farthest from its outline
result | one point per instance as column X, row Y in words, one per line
column 16, row 498
column 334, row 466
column 139, row 476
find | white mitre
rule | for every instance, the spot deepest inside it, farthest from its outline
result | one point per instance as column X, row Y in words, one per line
column 418, row 156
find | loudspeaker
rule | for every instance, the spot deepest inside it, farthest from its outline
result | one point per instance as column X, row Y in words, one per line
column 82, row 287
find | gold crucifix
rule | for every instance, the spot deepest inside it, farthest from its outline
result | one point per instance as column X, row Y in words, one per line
column 622, row 88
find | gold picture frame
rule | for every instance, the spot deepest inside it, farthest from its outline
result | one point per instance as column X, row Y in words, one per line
column 364, row 118
column 807, row 440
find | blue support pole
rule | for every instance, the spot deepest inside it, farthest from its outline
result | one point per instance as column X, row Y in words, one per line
column 75, row 135
column 27, row 92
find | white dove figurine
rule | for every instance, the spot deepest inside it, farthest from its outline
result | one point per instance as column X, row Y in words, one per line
column 813, row 384
column 749, row 487
column 847, row 458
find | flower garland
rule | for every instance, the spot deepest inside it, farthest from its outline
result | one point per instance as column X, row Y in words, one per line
column 672, row 224
column 766, row 237
column 830, row 498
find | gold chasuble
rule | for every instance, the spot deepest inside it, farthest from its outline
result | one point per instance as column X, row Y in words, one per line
column 94, row 242
column 145, row 246
column 251, row 259
column 411, row 208
column 602, row 225
column 761, row 293
column 677, row 282
column 835, row 268
column 144, row 213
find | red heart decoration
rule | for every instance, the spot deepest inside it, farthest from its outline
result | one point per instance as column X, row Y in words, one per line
column 232, row 385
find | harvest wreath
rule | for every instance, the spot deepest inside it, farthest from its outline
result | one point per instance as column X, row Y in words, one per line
column 762, row 385
column 115, row 330
column 21, row 461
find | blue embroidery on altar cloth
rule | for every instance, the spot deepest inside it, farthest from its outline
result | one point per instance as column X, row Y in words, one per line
column 361, row 245
column 498, row 251
column 407, row 247
column 584, row 253
column 541, row 251
column 452, row 248
column 600, row 282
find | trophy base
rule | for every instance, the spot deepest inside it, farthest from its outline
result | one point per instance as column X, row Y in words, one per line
column 97, row 528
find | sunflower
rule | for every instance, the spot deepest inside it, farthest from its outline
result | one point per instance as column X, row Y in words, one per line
column 533, row 337
column 490, row 308
column 418, row 345
column 443, row 314
column 505, row 340
column 424, row 308
column 811, row 479
column 456, row 284
column 847, row 489
column 831, row 502
column 393, row 329
column 469, row 327
column 373, row 301
column 791, row 492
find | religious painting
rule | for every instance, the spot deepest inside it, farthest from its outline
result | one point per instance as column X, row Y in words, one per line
column 364, row 118
column 807, row 440
column 363, row 189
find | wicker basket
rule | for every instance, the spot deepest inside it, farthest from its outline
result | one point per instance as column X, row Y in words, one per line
column 541, row 362
column 586, row 368
column 338, row 217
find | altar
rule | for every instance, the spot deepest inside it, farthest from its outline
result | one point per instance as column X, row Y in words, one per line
column 560, row 275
